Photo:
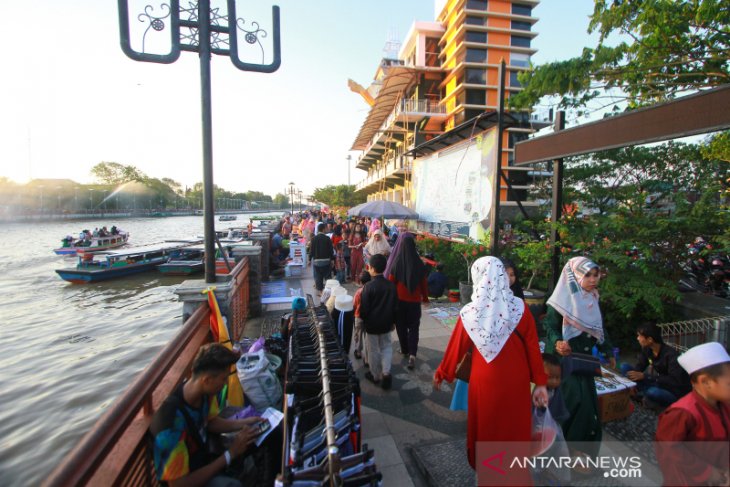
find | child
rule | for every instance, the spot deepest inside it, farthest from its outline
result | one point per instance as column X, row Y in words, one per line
column 693, row 434
column 360, row 350
column 346, row 253
column 556, row 405
column 377, row 309
column 340, row 264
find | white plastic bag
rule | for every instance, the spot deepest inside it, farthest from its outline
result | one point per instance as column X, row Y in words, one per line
column 548, row 441
column 259, row 381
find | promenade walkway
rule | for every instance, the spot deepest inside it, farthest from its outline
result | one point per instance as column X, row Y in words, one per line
column 417, row 440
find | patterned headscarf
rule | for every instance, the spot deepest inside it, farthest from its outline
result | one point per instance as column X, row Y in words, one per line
column 377, row 245
column 494, row 312
column 579, row 307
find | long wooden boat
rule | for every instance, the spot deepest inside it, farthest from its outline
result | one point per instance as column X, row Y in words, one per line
column 227, row 218
column 72, row 247
column 188, row 262
column 105, row 265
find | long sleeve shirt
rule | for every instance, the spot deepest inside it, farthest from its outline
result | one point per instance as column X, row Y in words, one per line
column 420, row 294
column 378, row 303
column 664, row 370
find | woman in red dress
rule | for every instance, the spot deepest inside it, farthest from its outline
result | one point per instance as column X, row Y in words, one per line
column 500, row 331
column 356, row 257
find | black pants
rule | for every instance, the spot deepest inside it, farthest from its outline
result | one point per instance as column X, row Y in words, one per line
column 321, row 273
column 407, row 324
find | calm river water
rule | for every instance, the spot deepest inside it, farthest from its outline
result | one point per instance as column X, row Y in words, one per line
column 68, row 350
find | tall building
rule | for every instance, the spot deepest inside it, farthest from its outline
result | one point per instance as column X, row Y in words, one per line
column 445, row 75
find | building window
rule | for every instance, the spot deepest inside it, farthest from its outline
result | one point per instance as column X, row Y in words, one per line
column 476, row 4
column 480, row 37
column 472, row 20
column 519, row 59
column 518, row 9
column 476, row 76
column 513, row 81
column 475, row 97
column 517, row 25
column 519, row 41
column 476, row 55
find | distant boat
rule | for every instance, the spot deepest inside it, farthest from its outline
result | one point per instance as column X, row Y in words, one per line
column 105, row 265
column 227, row 218
column 72, row 246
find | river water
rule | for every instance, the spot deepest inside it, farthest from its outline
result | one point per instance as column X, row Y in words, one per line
column 67, row 350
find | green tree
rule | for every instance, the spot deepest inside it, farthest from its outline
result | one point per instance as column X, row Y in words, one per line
column 282, row 200
column 672, row 46
column 718, row 146
column 340, row 195
column 115, row 173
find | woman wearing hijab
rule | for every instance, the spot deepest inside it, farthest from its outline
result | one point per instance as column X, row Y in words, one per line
column 573, row 323
column 376, row 245
column 409, row 275
column 500, row 331
column 356, row 258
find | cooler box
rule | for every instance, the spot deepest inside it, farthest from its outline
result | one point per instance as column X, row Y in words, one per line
column 298, row 252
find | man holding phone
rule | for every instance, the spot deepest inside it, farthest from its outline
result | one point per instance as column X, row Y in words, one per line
column 181, row 425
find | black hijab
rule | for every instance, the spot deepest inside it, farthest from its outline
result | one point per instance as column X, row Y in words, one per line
column 516, row 288
column 408, row 268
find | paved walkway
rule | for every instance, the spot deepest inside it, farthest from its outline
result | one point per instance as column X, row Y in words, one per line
column 418, row 440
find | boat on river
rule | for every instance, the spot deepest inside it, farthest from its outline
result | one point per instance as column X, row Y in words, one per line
column 105, row 265
column 73, row 246
column 227, row 218
column 188, row 262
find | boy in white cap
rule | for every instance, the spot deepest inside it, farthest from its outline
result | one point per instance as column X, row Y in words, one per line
column 693, row 434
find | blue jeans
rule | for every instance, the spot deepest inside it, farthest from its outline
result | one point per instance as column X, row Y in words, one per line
column 654, row 393
column 321, row 273
column 341, row 277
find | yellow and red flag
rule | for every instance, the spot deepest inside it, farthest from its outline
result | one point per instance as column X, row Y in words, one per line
column 220, row 334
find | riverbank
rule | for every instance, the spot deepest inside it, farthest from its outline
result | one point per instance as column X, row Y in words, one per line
column 97, row 214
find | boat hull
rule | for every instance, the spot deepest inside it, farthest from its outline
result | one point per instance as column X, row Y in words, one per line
column 120, row 240
column 181, row 268
column 83, row 276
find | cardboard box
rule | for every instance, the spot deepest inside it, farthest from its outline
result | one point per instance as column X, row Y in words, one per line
column 613, row 406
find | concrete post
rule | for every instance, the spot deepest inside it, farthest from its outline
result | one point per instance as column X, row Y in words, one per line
column 263, row 238
column 255, row 257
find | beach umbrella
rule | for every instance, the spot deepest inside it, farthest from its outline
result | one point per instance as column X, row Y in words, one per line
column 383, row 209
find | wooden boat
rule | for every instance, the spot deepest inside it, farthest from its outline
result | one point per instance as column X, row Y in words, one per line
column 72, row 246
column 227, row 218
column 104, row 265
column 188, row 261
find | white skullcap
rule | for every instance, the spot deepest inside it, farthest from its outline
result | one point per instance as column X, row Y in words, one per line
column 344, row 303
column 702, row 356
column 330, row 283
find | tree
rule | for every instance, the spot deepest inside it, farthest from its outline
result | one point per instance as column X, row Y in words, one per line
column 675, row 46
column 718, row 146
column 341, row 195
column 115, row 173
column 281, row 200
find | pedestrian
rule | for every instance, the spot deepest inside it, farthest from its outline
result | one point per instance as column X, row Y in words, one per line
column 378, row 304
column 377, row 244
column 359, row 336
column 356, row 255
column 505, row 358
column 346, row 253
column 340, row 264
column 409, row 275
column 692, row 438
column 573, row 323
column 322, row 255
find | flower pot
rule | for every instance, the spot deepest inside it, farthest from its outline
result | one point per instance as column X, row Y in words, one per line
column 465, row 290
column 535, row 300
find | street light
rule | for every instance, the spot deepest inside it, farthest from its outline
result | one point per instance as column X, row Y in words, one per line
column 349, row 158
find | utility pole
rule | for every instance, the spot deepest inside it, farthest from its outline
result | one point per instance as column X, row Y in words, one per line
column 349, row 158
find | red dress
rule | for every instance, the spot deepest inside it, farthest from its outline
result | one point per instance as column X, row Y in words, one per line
column 356, row 258
column 500, row 403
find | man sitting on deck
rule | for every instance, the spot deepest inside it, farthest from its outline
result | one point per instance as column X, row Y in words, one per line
column 182, row 423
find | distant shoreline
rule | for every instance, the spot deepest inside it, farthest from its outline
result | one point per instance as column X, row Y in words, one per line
column 114, row 215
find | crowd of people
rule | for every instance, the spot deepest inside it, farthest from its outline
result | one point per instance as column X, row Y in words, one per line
column 494, row 348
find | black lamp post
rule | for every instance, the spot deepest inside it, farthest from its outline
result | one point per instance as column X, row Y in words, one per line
column 198, row 28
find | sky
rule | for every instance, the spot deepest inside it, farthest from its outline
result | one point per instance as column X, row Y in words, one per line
column 69, row 97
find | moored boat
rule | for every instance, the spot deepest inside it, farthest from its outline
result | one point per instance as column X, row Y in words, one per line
column 105, row 265
column 227, row 218
column 72, row 246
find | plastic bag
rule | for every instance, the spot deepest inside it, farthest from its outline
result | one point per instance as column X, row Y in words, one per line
column 259, row 381
column 257, row 345
column 548, row 441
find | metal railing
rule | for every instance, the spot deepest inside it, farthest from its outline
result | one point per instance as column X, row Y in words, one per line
column 683, row 335
column 116, row 451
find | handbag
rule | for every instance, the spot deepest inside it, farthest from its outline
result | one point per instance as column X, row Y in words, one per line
column 463, row 369
column 582, row 364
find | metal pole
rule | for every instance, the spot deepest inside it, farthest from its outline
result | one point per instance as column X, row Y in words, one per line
column 349, row 159
column 557, row 209
column 497, row 182
column 205, row 98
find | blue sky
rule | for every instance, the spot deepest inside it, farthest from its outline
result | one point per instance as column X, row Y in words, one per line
column 70, row 98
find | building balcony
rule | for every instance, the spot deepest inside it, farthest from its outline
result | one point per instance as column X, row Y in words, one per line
column 389, row 173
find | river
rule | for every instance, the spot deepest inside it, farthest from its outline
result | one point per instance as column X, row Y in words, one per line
column 69, row 350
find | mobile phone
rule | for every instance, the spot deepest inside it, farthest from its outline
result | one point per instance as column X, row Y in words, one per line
column 262, row 426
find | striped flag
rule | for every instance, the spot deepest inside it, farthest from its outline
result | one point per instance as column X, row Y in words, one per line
column 220, row 334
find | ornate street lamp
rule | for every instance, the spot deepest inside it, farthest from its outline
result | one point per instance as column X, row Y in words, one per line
column 198, row 28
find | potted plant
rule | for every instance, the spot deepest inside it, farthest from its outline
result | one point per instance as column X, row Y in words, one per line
column 533, row 260
column 468, row 251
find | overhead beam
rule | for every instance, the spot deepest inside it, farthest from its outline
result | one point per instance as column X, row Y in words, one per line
column 700, row 113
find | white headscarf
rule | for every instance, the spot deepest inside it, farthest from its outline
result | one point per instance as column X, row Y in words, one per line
column 579, row 307
column 494, row 312
column 377, row 246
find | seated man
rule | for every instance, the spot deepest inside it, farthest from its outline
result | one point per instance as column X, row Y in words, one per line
column 437, row 282
column 658, row 374
column 182, row 425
